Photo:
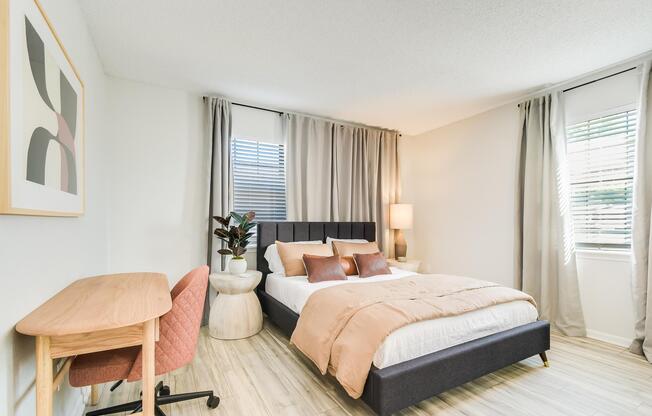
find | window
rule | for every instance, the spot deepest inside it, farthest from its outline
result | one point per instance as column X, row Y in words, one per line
column 601, row 165
column 259, row 179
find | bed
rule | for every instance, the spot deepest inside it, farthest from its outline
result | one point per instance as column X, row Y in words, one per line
column 401, row 374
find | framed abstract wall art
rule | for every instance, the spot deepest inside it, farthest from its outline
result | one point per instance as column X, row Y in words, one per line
column 41, row 117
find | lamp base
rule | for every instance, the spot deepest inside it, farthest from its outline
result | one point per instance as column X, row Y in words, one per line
column 400, row 246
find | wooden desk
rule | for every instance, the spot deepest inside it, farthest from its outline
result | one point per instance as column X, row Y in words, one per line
column 96, row 314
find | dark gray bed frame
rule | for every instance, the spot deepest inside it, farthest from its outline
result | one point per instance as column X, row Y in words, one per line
column 393, row 388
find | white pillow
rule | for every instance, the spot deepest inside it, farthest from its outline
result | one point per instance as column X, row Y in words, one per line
column 329, row 240
column 274, row 260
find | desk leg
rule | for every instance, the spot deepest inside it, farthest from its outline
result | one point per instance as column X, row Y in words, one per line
column 43, row 377
column 149, row 342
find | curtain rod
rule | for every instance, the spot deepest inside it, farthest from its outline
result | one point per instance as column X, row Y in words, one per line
column 594, row 80
column 600, row 79
column 635, row 61
column 280, row 113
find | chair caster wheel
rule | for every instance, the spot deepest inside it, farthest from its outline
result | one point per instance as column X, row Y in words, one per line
column 165, row 391
column 213, row 402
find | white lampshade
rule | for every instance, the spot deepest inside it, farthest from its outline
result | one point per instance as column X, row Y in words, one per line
column 400, row 216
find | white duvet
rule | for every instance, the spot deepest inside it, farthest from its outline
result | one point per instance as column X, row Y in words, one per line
column 416, row 339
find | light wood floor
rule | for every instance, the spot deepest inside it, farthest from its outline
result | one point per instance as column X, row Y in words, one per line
column 262, row 375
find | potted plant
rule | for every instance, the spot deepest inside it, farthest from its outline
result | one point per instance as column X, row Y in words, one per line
column 235, row 231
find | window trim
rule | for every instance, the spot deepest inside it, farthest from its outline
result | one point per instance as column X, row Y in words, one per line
column 619, row 256
column 599, row 114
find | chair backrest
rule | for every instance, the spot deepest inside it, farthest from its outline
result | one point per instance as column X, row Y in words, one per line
column 179, row 328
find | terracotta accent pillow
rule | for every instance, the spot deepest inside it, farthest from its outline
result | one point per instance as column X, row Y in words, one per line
column 292, row 256
column 321, row 269
column 344, row 249
column 348, row 264
column 371, row 264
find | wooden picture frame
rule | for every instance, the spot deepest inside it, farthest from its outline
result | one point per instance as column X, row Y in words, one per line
column 42, row 117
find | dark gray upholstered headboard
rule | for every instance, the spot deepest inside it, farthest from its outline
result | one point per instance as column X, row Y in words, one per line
column 269, row 232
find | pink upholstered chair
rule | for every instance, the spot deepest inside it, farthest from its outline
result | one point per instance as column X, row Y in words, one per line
column 178, row 333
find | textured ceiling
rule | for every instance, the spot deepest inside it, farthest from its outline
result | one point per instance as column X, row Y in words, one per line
column 409, row 65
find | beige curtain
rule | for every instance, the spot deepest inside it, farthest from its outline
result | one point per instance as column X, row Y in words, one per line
column 545, row 246
column 642, row 223
column 218, row 128
column 309, row 155
column 340, row 172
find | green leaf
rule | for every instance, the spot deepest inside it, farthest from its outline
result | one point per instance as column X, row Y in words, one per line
column 224, row 251
column 237, row 217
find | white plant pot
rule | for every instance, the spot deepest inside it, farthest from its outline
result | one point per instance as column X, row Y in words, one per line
column 237, row 266
column 225, row 262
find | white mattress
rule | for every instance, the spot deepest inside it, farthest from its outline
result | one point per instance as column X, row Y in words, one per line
column 419, row 338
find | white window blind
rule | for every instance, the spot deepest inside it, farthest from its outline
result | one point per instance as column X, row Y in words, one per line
column 601, row 166
column 259, row 179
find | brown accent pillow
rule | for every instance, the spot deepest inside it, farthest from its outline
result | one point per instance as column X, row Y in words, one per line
column 344, row 249
column 321, row 269
column 371, row 264
column 348, row 264
column 292, row 256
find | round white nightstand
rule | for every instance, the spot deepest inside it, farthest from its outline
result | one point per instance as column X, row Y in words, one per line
column 409, row 265
column 235, row 312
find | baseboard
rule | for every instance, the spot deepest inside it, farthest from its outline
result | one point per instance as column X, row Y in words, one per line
column 608, row 338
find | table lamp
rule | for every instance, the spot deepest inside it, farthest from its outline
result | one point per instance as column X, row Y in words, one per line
column 400, row 218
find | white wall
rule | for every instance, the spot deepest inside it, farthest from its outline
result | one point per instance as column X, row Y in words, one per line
column 158, row 193
column 605, row 289
column 146, row 208
column 461, row 180
column 39, row 256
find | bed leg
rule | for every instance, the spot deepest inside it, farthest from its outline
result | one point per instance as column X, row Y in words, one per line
column 544, row 358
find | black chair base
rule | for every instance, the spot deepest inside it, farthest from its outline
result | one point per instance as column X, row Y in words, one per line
column 163, row 397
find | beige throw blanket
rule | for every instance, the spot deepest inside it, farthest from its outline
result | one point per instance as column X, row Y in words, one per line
column 341, row 327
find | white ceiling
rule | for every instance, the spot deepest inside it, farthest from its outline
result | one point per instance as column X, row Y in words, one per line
column 409, row 65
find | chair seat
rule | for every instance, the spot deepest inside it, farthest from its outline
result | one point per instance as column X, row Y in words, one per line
column 102, row 367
